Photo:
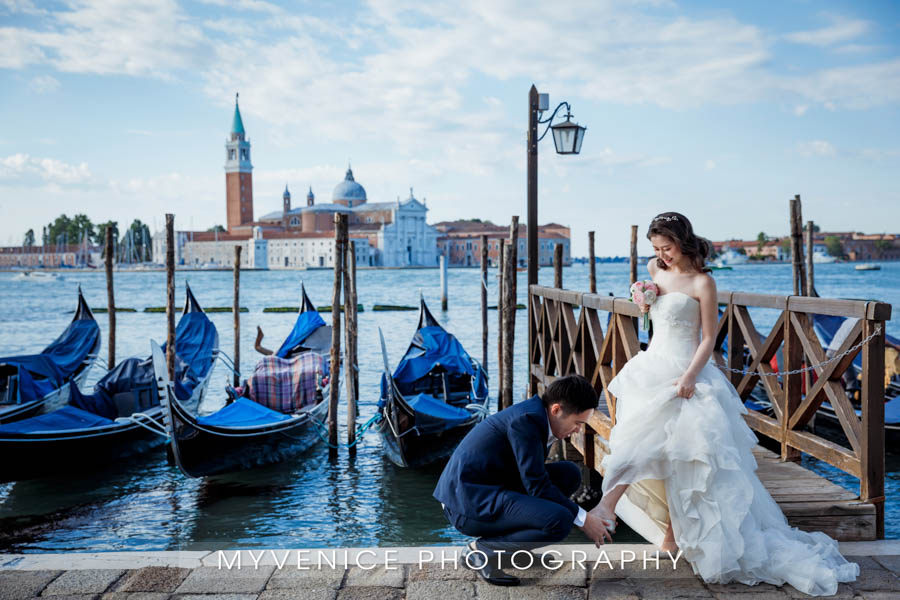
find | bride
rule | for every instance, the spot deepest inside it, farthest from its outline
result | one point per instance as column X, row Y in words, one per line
column 681, row 452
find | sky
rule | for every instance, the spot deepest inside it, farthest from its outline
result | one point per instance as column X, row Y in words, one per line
column 119, row 109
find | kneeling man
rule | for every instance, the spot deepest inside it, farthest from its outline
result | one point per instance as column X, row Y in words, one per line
column 498, row 488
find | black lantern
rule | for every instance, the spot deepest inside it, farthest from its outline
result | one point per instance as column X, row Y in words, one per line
column 567, row 136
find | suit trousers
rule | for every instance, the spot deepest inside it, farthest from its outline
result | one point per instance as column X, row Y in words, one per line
column 524, row 522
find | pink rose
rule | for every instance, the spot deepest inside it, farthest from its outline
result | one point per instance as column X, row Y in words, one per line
column 638, row 297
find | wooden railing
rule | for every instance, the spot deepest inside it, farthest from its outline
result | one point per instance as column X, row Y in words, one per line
column 598, row 340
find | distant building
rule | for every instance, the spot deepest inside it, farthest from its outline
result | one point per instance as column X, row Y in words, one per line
column 50, row 257
column 460, row 241
column 391, row 234
column 856, row 246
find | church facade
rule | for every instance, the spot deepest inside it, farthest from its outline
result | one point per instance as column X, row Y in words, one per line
column 385, row 234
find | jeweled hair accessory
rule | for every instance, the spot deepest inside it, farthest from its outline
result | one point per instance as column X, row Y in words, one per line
column 663, row 218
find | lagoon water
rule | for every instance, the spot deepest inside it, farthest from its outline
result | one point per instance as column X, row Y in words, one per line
column 311, row 501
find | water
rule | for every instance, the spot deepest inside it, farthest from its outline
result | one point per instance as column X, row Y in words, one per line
column 311, row 501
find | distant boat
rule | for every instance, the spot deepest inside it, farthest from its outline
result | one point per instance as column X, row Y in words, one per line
column 718, row 268
column 38, row 276
column 820, row 257
column 868, row 267
column 730, row 257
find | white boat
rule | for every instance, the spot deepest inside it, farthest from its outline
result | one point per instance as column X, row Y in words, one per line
column 820, row 257
column 730, row 258
column 40, row 276
column 868, row 267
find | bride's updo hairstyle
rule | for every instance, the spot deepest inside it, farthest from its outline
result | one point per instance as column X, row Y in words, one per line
column 677, row 228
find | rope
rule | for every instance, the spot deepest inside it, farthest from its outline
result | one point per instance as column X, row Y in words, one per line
column 159, row 429
column 810, row 367
column 360, row 431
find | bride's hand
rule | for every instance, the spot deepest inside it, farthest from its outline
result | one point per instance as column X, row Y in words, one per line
column 684, row 386
column 645, row 308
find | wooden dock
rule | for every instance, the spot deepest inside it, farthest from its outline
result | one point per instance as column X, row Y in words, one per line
column 570, row 334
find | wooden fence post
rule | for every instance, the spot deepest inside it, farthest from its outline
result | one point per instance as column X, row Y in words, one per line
column 871, row 482
column 236, row 308
column 810, row 279
column 558, row 266
column 110, row 299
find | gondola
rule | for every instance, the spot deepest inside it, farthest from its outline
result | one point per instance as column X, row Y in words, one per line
column 246, row 433
column 120, row 419
column 38, row 383
column 434, row 397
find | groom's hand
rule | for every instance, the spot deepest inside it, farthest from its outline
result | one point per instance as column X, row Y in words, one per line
column 594, row 529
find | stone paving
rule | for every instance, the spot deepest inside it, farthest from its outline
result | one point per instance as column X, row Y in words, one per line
column 616, row 571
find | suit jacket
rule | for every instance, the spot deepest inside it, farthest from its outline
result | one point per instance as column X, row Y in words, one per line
column 506, row 451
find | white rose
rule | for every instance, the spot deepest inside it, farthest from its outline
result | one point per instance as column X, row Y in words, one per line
column 649, row 297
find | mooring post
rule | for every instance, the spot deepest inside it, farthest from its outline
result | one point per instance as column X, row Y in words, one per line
column 797, row 246
column 170, row 295
column 351, row 370
column 512, row 306
column 484, row 316
column 634, row 256
column 592, row 261
column 443, row 282
column 558, row 266
column 340, row 232
column 236, row 309
column 501, row 245
column 110, row 299
column 509, row 319
column 810, row 277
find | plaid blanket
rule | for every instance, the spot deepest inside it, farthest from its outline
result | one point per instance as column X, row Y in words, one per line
column 287, row 385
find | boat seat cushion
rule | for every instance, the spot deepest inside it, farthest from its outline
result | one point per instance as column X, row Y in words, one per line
column 434, row 415
column 243, row 412
column 67, row 417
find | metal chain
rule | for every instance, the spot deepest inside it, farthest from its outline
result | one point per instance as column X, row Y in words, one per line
column 810, row 367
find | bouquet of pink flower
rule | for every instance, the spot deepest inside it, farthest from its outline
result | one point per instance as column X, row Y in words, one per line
column 644, row 292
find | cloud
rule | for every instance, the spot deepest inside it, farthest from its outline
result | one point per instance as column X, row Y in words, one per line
column 22, row 167
column 709, row 165
column 801, row 109
column 44, row 84
column 840, row 30
column 816, row 148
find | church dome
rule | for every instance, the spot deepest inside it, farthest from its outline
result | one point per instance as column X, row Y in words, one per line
column 348, row 191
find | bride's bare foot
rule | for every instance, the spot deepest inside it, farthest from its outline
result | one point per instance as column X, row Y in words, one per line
column 669, row 546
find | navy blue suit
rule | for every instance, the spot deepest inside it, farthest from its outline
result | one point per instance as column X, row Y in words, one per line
column 497, row 485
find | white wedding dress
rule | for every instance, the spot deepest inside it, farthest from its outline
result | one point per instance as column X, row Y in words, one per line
column 689, row 460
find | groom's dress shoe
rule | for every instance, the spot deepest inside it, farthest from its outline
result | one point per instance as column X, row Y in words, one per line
column 489, row 569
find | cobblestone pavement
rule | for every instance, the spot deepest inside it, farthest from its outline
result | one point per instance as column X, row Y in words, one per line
column 411, row 573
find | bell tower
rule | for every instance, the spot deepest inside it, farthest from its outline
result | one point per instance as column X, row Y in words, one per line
column 238, row 174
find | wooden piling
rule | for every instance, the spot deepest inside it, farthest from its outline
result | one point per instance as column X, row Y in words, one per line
column 634, row 255
column 797, row 246
column 340, row 235
column 443, row 282
column 514, row 254
column 509, row 312
column 351, row 371
column 810, row 239
column 484, row 316
column 236, row 309
column 110, row 299
column 170, row 295
column 592, row 261
column 558, row 266
column 501, row 245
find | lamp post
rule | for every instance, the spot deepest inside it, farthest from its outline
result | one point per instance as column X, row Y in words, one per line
column 567, row 138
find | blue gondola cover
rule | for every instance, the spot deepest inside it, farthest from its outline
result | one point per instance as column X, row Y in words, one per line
column 433, row 415
column 438, row 347
column 306, row 323
column 65, row 418
column 64, row 355
column 243, row 412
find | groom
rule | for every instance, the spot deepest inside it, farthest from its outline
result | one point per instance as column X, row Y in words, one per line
column 498, row 488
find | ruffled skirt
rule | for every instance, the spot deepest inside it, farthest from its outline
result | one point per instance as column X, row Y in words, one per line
column 692, row 463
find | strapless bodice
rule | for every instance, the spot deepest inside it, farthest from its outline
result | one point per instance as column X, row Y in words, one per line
column 676, row 324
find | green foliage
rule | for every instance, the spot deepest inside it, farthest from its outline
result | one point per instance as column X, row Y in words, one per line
column 218, row 228
column 882, row 245
column 64, row 230
column 29, row 238
column 761, row 240
column 834, row 246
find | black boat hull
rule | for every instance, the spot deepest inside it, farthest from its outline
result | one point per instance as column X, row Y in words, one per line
column 414, row 450
column 34, row 455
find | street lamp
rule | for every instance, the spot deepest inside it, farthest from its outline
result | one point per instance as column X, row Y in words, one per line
column 567, row 137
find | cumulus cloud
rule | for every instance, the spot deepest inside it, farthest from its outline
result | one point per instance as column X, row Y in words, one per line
column 44, row 84
column 816, row 148
column 841, row 29
column 18, row 167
